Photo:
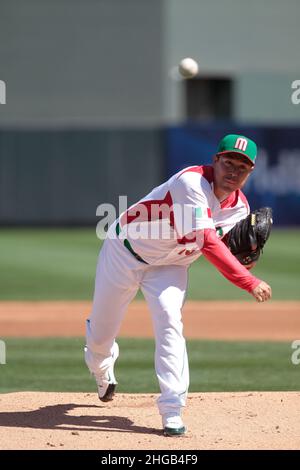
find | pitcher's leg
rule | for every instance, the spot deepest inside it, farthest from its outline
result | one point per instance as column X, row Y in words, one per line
column 115, row 286
column 164, row 288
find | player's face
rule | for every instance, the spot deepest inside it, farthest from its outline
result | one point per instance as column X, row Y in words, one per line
column 230, row 172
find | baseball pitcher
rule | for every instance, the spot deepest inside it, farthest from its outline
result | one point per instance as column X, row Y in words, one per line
column 199, row 211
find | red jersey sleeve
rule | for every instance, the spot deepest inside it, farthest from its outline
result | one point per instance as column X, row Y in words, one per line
column 217, row 253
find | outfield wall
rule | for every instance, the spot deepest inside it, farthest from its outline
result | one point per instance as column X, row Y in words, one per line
column 59, row 177
column 276, row 179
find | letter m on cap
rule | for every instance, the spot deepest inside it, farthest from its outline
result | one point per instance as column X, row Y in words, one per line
column 241, row 144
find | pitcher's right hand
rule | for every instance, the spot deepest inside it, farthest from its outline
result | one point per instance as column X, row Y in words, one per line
column 262, row 292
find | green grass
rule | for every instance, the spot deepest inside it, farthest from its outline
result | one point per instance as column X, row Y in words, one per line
column 279, row 265
column 48, row 264
column 56, row 364
column 53, row 264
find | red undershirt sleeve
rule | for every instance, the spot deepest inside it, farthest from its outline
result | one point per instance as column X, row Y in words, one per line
column 217, row 253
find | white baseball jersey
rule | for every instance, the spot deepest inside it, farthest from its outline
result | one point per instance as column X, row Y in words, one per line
column 161, row 226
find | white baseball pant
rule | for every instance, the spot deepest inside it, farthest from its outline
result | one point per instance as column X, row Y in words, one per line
column 118, row 278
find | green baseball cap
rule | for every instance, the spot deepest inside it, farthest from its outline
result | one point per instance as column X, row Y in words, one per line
column 233, row 143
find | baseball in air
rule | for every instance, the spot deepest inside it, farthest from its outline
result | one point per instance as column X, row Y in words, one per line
column 188, row 68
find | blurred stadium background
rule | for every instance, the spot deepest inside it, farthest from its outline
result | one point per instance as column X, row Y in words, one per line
column 94, row 109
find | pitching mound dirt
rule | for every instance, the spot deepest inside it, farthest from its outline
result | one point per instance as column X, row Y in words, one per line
column 31, row 420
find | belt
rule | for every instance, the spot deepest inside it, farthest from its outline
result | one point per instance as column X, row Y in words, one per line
column 129, row 247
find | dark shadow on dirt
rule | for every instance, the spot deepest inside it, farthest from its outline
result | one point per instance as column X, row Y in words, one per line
column 58, row 417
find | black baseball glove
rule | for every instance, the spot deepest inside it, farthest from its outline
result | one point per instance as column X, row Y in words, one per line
column 248, row 237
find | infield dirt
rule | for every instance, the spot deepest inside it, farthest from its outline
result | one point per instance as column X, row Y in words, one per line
column 275, row 320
